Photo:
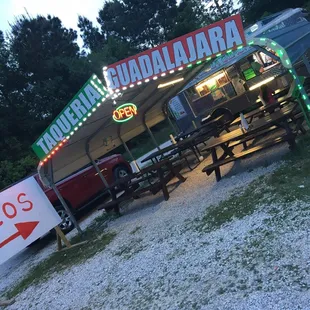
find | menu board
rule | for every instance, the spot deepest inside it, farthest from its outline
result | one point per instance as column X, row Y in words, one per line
column 176, row 107
column 249, row 74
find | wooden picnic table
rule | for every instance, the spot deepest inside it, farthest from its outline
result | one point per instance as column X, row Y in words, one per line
column 229, row 141
column 156, row 175
column 180, row 146
column 190, row 143
column 262, row 110
column 209, row 121
column 212, row 124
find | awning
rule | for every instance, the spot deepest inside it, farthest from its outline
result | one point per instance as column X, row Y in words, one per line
column 103, row 132
column 85, row 130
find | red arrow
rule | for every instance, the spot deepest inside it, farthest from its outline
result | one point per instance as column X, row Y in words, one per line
column 23, row 229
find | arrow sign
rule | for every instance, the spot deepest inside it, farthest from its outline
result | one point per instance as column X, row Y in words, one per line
column 23, row 229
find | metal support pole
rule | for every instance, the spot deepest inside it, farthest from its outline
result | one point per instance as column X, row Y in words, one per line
column 152, row 136
column 62, row 201
column 150, row 132
column 127, row 148
column 166, row 112
column 130, row 154
column 96, row 167
column 171, row 125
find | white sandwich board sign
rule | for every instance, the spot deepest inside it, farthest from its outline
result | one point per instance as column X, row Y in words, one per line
column 26, row 214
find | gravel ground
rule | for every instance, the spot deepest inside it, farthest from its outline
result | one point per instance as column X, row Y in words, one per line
column 159, row 261
column 18, row 266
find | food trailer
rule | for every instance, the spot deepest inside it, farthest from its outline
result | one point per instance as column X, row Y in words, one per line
column 232, row 81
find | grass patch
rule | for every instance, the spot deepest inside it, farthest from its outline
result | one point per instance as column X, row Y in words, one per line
column 59, row 261
column 290, row 182
column 237, row 206
column 129, row 250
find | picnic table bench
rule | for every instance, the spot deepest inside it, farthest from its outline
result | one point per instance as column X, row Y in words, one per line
column 189, row 144
column 229, row 141
column 266, row 144
column 259, row 112
column 156, row 177
column 211, row 124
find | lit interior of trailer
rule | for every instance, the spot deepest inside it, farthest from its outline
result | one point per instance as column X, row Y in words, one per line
column 235, row 80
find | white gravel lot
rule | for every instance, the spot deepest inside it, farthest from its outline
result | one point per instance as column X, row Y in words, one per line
column 157, row 261
column 18, row 266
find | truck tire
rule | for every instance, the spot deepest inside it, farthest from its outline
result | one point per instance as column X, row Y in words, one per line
column 120, row 172
column 66, row 225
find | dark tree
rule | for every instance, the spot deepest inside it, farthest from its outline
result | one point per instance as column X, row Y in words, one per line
column 220, row 10
column 41, row 69
column 253, row 10
column 191, row 15
column 93, row 39
column 103, row 49
column 139, row 22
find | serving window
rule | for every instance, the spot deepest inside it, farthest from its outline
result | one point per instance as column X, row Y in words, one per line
column 264, row 60
column 217, row 86
column 212, row 84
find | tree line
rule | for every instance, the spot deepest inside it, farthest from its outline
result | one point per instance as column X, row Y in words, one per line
column 42, row 66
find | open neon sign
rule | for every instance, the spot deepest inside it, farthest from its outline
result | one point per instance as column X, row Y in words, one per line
column 125, row 112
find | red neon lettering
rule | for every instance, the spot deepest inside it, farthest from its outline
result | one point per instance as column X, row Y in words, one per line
column 121, row 112
column 5, row 211
column 127, row 112
column 26, row 201
column 124, row 113
column 133, row 110
column 116, row 115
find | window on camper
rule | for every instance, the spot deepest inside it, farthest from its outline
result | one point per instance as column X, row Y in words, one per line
column 212, row 83
column 217, row 86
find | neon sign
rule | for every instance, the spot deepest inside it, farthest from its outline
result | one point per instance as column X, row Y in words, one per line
column 125, row 112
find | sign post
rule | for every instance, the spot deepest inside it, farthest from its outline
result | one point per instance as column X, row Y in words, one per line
column 26, row 214
column 50, row 177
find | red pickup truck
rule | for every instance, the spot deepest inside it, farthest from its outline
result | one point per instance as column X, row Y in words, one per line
column 85, row 186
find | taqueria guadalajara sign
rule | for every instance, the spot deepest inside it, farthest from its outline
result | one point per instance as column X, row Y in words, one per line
column 70, row 118
column 203, row 43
